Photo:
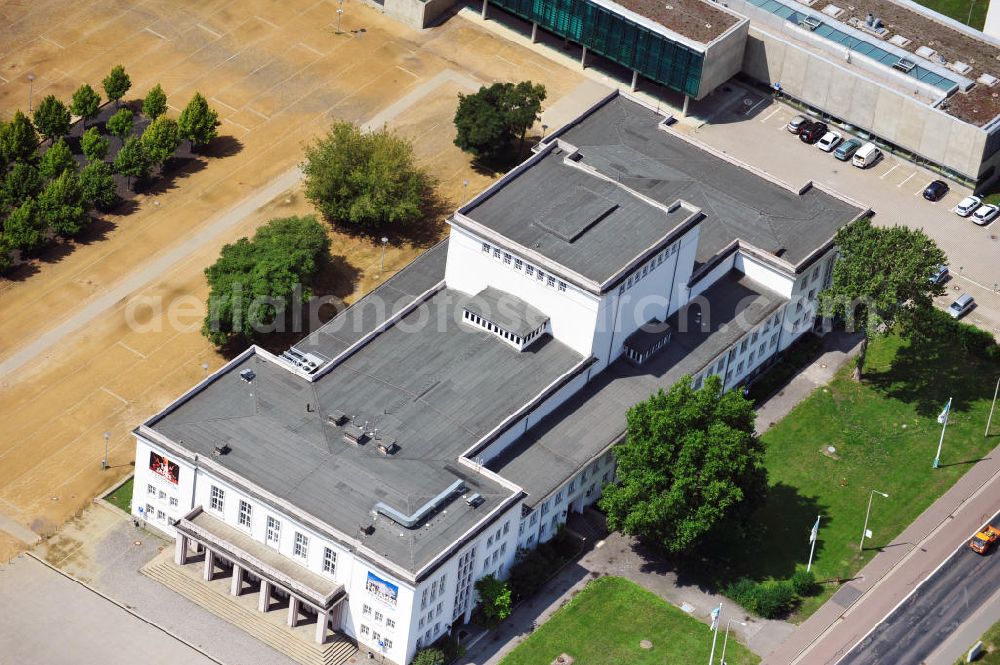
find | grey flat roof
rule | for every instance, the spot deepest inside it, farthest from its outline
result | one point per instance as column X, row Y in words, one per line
column 594, row 418
column 647, row 335
column 435, row 388
column 579, row 220
column 507, row 311
column 621, row 140
column 379, row 304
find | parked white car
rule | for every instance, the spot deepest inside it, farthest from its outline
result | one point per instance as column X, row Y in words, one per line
column 829, row 141
column 968, row 205
column 985, row 214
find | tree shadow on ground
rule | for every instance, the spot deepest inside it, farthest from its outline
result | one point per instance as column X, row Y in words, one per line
column 175, row 169
column 221, row 146
column 98, row 229
column 494, row 165
column 931, row 368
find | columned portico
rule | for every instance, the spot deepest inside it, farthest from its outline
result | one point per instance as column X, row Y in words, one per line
column 226, row 548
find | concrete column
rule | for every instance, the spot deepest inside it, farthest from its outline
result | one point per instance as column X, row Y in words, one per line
column 534, row 33
column 209, row 564
column 321, row 621
column 181, row 550
column 485, row 6
column 236, row 585
column 684, row 111
column 293, row 611
column 583, row 58
column 264, row 597
column 635, row 80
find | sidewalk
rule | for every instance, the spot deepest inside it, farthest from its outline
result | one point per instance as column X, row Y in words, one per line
column 889, row 578
column 968, row 633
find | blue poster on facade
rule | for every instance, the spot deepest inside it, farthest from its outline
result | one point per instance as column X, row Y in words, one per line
column 384, row 591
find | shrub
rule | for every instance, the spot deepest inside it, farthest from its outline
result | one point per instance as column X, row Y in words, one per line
column 804, row 583
column 494, row 599
column 768, row 599
column 428, row 657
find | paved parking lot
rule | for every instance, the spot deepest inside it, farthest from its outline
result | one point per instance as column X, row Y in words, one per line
column 751, row 127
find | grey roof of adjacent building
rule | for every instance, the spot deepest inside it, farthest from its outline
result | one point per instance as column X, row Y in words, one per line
column 507, row 311
column 574, row 217
column 622, row 140
column 431, row 383
column 647, row 335
column 594, row 418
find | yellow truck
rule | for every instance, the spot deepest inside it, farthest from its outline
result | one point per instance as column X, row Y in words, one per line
column 985, row 539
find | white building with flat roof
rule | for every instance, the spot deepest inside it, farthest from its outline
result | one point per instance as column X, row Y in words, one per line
column 463, row 409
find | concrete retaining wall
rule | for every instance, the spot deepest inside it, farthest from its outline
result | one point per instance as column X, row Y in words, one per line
column 415, row 13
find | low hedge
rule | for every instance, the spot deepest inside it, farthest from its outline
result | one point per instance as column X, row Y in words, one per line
column 773, row 598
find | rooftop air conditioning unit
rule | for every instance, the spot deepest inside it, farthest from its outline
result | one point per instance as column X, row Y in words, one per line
column 475, row 500
column 388, row 447
column 247, row 375
column 221, row 450
column 811, row 22
column 337, row 417
column 904, row 65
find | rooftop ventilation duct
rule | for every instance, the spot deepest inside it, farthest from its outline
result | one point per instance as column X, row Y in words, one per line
column 412, row 520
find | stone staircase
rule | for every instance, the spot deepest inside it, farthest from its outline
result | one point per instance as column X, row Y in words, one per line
column 294, row 643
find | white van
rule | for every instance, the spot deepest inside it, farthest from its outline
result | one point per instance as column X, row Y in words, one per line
column 866, row 155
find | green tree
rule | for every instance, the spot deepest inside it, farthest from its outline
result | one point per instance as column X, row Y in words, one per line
column 690, row 462
column 132, row 161
column 116, row 84
column 428, row 657
column 52, row 118
column 494, row 599
column 881, row 281
column 56, row 159
column 18, row 140
column 95, row 147
column 22, row 183
column 254, row 282
column 86, row 103
column 6, row 261
column 155, row 103
column 61, row 205
column 364, row 179
column 120, row 124
column 98, row 185
column 161, row 139
column 490, row 120
column 24, row 228
column 197, row 122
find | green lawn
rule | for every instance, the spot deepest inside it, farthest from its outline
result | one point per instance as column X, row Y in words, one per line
column 991, row 647
column 606, row 621
column 885, row 432
column 122, row 497
column 959, row 10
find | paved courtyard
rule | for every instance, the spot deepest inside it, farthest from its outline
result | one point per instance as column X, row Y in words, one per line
column 50, row 619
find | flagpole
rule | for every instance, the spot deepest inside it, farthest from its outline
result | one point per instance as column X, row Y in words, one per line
column 994, row 405
column 715, row 636
column 813, row 536
column 944, row 426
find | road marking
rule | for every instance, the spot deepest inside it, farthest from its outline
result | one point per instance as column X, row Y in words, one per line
column 256, row 112
column 156, row 34
column 907, row 180
column 52, row 41
column 751, row 109
column 126, row 346
column 769, row 115
column 243, row 127
column 116, row 396
column 18, row 531
column 316, row 51
column 408, row 71
column 219, row 101
column 264, row 20
column 209, row 30
column 4, row 80
column 512, row 64
column 894, row 167
column 919, row 191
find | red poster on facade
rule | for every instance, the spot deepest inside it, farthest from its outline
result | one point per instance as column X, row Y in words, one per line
column 162, row 466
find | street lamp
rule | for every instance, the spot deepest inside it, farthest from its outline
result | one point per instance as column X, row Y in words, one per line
column 725, row 642
column 340, row 12
column 104, row 462
column 385, row 241
column 544, row 128
column 31, row 80
column 864, row 532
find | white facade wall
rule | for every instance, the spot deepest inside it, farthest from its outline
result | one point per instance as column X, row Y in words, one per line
column 572, row 311
column 685, row 268
column 769, row 276
column 194, row 488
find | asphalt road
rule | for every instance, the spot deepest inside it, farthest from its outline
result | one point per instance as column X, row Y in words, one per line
column 935, row 610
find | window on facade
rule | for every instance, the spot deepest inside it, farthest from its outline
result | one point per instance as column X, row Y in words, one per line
column 273, row 535
column 151, row 490
column 545, row 507
column 815, row 274
column 218, row 498
column 365, row 630
column 753, row 338
column 562, row 286
column 160, row 515
column 389, row 623
column 530, row 540
column 496, row 253
column 798, row 307
column 774, row 340
column 420, row 624
column 697, row 383
column 173, row 502
column 739, row 368
column 507, row 258
column 301, row 548
column 486, row 248
column 743, row 346
column 534, row 518
column 529, row 270
column 329, row 561
column 751, row 357
column 439, row 609
column 518, row 264
column 150, row 511
column 718, row 368
column 812, row 294
column 559, row 496
column 540, row 275
column 387, row 643
column 760, row 351
column 366, row 610
column 379, row 616
column 163, row 495
column 423, row 600
column 245, row 513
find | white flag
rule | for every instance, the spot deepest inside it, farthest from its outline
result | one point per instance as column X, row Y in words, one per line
column 715, row 617
column 814, row 534
column 943, row 418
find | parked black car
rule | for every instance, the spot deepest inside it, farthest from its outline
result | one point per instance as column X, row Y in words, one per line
column 813, row 132
column 936, row 190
